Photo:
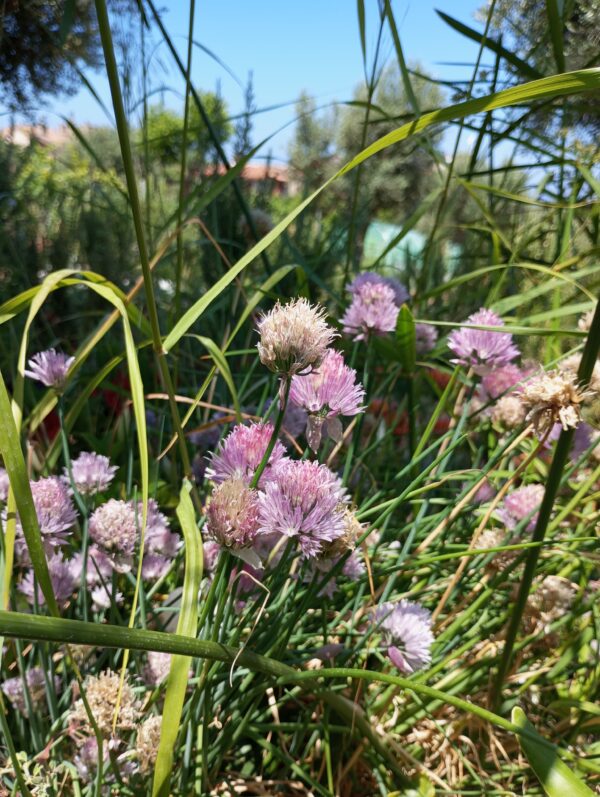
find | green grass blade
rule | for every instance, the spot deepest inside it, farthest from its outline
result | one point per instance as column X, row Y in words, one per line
column 186, row 626
column 556, row 778
column 555, row 24
column 223, row 366
column 406, row 339
column 12, row 455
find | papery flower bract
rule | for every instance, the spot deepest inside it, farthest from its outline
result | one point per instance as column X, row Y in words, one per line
column 114, row 527
column 373, row 311
column 232, row 514
column 50, row 368
column 552, row 598
column 553, row 397
column 482, row 349
column 509, row 412
column 401, row 295
column 91, row 473
column 294, row 337
column 570, row 367
column 426, row 337
column 406, row 628
column 4, row 485
column 519, row 504
column 302, row 500
column 241, row 452
column 14, row 689
column 62, row 578
column 326, row 393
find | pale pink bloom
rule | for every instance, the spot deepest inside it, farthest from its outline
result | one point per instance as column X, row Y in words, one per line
column 482, row 349
column 91, row 473
column 232, row 514
column 62, row 579
column 114, row 527
column 55, row 513
column 241, row 452
column 50, row 368
column 4, row 485
column 519, row 504
column 401, row 295
column 373, row 311
column 426, row 337
column 406, row 628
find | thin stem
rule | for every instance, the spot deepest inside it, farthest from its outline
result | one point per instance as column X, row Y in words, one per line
column 276, row 429
column 588, row 360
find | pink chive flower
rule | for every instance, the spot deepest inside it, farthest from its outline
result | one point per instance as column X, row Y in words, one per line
column 401, row 295
column 482, row 349
column 114, row 527
column 373, row 311
column 520, row 504
column 302, row 501
column 501, row 380
column 36, row 683
column 406, row 628
column 62, row 578
column 240, row 454
column 50, row 368
column 55, row 513
column 325, row 394
column 156, row 670
column 425, row 338
column 91, row 473
column 232, row 514
column 4, row 485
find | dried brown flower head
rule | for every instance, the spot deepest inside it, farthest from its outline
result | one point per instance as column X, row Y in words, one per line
column 553, row 397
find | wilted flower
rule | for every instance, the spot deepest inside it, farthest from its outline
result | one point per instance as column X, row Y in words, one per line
column 495, row 538
column 303, row 501
column 62, row 578
column 4, row 485
column 401, row 295
column 426, row 337
column 102, row 692
column 519, row 504
column 570, row 367
column 55, row 513
column 91, row 473
column 232, row 514
column 482, row 349
column 551, row 599
column 294, row 337
column 325, row 394
column 553, row 397
column 114, row 528
column 156, row 669
column 50, row 368
column 36, row 684
column 373, row 311
column 86, row 761
column 146, row 745
column 241, row 452
column 406, row 628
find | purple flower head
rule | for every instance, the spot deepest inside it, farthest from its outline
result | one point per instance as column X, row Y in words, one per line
column 55, row 513
column 241, row 452
column 500, row 380
column 521, row 503
column 62, row 578
column 211, row 551
column 50, row 368
column 14, row 690
column 406, row 629
column 102, row 597
column 92, row 473
column 114, row 528
column 154, row 566
column 4, row 485
column 401, row 295
column 159, row 539
column 232, row 514
column 482, row 349
column 99, row 567
column 303, row 500
column 373, row 311
column 425, row 338
column 327, row 393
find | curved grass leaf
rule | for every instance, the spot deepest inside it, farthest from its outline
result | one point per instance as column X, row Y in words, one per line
column 223, row 366
column 555, row 776
column 12, row 455
column 546, row 88
column 186, row 626
column 406, row 339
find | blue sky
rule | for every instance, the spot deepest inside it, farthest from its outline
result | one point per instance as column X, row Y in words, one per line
column 312, row 45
